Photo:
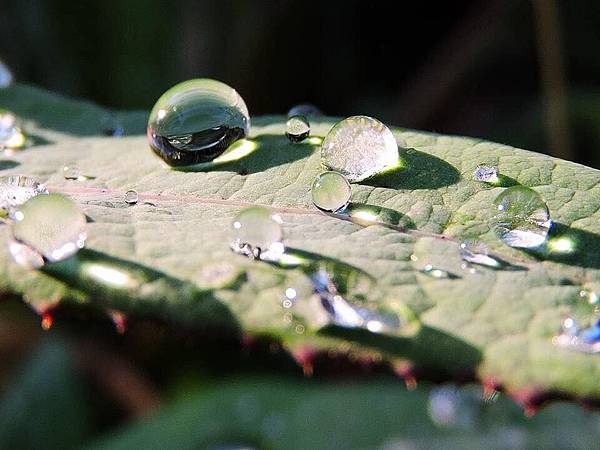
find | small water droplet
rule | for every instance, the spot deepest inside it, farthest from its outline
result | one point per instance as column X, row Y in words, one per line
column 359, row 147
column 343, row 313
column 6, row 76
column 73, row 172
column 586, row 340
column 478, row 254
column 331, row 191
column 450, row 406
column 435, row 272
column 486, row 174
column 297, row 128
column 196, row 121
column 256, row 231
column 304, row 109
column 52, row 225
column 131, row 197
column 11, row 136
column 523, row 219
column 16, row 190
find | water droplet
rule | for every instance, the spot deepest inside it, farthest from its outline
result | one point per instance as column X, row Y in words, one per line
column 6, row 76
column 450, row 406
column 478, row 254
column 331, row 191
column 297, row 128
column 11, row 136
column 486, row 174
column 257, row 230
column 304, row 109
column 523, row 218
column 359, row 147
column 196, row 121
column 586, row 340
column 131, row 197
column 434, row 272
column 16, row 190
column 343, row 313
column 73, row 172
column 52, row 225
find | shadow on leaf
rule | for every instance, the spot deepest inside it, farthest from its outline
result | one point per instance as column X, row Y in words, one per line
column 570, row 246
column 418, row 171
column 263, row 152
column 130, row 287
column 427, row 347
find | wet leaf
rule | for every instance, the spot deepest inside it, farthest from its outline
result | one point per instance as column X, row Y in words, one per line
column 498, row 324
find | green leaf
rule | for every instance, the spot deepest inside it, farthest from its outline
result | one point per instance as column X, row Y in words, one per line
column 274, row 414
column 44, row 407
column 498, row 324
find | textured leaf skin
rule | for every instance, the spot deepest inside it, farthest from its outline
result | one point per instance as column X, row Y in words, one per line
column 499, row 324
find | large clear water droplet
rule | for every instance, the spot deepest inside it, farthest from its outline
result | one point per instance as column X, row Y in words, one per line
column 6, row 76
column 304, row 109
column 52, row 225
column 331, row 191
column 297, row 128
column 359, row 147
column 523, row 219
column 11, row 136
column 16, row 190
column 73, row 172
column 257, row 230
column 195, row 121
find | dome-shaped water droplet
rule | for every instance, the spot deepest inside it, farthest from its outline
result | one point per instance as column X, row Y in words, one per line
column 297, row 128
column 359, row 147
column 52, row 225
column 131, row 197
column 304, row 109
column 486, row 174
column 258, row 228
column 523, row 218
column 11, row 136
column 195, row 121
column 331, row 191
column 16, row 190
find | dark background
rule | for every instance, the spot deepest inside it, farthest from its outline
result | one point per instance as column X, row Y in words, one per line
column 522, row 72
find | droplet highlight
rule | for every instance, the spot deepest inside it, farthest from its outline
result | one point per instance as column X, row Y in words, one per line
column 359, row 147
column 52, row 225
column 297, row 128
column 523, row 218
column 196, row 121
column 437, row 273
column 331, row 191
